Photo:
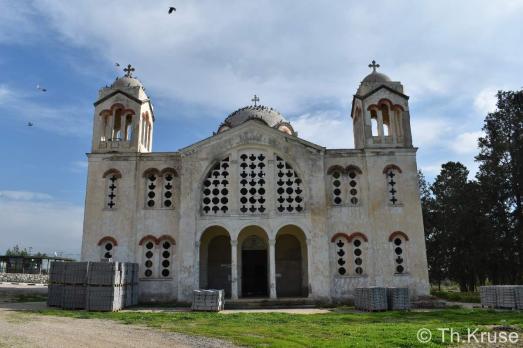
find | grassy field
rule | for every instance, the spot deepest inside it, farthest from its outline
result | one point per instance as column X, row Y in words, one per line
column 341, row 328
column 457, row 296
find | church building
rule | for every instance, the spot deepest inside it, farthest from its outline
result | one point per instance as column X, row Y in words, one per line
column 254, row 209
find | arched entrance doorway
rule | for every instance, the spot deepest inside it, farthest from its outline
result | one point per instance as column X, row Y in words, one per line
column 215, row 259
column 254, row 262
column 291, row 263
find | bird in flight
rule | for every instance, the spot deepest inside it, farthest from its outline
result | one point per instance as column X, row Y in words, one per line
column 116, row 64
column 171, row 9
column 41, row 88
column 29, row 124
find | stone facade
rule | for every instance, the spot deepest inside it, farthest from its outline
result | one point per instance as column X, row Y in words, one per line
column 254, row 209
column 23, row 278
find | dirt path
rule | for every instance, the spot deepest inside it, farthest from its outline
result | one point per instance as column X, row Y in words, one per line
column 22, row 329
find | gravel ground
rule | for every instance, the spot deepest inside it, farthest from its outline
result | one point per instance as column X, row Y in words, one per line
column 22, row 329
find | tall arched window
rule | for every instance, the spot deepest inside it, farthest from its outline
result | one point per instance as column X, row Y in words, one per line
column 252, row 171
column 107, row 247
column 168, row 188
column 392, row 175
column 399, row 241
column 215, row 189
column 159, row 188
column 374, row 122
column 289, row 188
column 338, row 194
column 341, row 255
column 166, row 256
column 112, row 178
column 152, row 188
column 149, row 264
column 354, row 174
column 359, row 253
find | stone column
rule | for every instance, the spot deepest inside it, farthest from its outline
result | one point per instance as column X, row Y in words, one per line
column 234, row 269
column 272, row 268
column 111, row 126
column 380, row 124
column 196, row 265
column 309, row 262
column 122, row 127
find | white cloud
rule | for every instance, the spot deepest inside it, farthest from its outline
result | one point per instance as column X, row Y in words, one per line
column 428, row 132
column 79, row 166
column 485, row 101
column 32, row 219
column 24, row 195
column 466, row 143
column 329, row 129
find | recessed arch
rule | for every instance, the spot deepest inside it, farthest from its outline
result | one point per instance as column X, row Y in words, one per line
column 114, row 172
column 168, row 238
column 336, row 168
column 352, row 167
column 357, row 235
column 391, row 167
column 107, row 239
column 291, row 260
column 339, row 235
column 150, row 171
column 215, row 259
column 398, row 234
column 168, row 170
column 148, row 237
column 253, row 261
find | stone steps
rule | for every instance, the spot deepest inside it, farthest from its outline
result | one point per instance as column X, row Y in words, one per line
column 267, row 303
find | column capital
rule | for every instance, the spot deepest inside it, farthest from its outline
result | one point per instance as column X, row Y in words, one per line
column 308, row 240
column 272, row 242
column 197, row 244
column 234, row 242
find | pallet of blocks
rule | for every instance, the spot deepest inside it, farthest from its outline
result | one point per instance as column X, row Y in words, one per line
column 105, row 287
column 488, row 297
column 208, row 300
column 505, row 297
column 398, row 299
column 518, row 292
column 75, row 288
column 371, row 299
column 55, row 285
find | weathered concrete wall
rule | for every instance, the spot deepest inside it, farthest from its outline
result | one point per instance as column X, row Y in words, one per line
column 23, row 278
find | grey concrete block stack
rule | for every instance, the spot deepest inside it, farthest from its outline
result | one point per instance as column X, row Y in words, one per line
column 502, row 296
column 95, row 286
column 381, row 299
column 373, row 298
column 208, row 300
column 398, row 299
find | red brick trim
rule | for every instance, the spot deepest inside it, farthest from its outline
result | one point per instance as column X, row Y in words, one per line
column 149, row 237
column 339, row 235
column 357, row 234
column 391, row 166
column 398, row 234
column 168, row 238
column 112, row 171
column 107, row 239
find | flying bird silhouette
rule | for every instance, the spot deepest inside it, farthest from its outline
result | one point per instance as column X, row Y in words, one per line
column 29, row 124
column 116, row 64
column 41, row 88
column 171, row 10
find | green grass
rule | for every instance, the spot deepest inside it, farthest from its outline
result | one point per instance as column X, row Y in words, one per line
column 457, row 296
column 335, row 329
column 30, row 298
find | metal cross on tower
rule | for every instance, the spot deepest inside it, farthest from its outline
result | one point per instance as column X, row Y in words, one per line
column 255, row 99
column 374, row 66
column 129, row 71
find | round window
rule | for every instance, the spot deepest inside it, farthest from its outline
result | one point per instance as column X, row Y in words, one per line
column 108, row 246
column 166, row 254
column 148, row 263
column 149, row 245
column 148, row 273
column 166, row 245
column 165, row 263
column 398, row 251
column 397, row 241
column 149, row 254
column 165, row 273
column 341, row 270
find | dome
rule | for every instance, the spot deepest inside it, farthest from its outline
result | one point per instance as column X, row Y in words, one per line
column 376, row 77
column 267, row 115
column 126, row 82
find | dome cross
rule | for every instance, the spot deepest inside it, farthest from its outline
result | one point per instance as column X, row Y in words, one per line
column 255, row 100
column 129, row 71
column 374, row 65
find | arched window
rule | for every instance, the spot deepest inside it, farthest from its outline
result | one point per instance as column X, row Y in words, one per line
column 353, row 174
column 359, row 253
column 288, row 188
column 149, row 257
column 392, row 174
column 168, row 188
column 341, row 255
column 107, row 247
column 215, row 190
column 387, row 130
column 152, row 188
column 128, row 127
column 374, row 122
column 399, row 242
column 111, row 177
column 166, row 254
column 252, row 182
column 337, row 187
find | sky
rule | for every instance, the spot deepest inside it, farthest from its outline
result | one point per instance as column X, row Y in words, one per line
column 305, row 59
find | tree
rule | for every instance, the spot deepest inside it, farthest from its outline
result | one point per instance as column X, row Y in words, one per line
column 17, row 251
column 501, row 179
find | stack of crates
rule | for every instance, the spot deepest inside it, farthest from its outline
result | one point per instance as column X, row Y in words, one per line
column 371, row 299
column 505, row 297
column 74, row 288
column 55, row 291
column 398, row 298
column 488, row 296
column 518, row 293
column 208, row 300
column 95, row 286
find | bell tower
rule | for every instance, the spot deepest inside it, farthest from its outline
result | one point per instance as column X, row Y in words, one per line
column 123, row 117
column 380, row 113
